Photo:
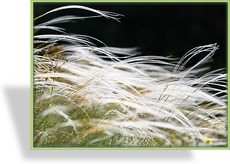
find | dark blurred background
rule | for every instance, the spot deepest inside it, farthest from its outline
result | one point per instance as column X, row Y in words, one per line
column 166, row 29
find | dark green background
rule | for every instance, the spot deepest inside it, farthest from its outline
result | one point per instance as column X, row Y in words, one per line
column 156, row 28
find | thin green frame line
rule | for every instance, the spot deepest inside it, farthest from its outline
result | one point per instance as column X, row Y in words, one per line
column 122, row 148
column 141, row 1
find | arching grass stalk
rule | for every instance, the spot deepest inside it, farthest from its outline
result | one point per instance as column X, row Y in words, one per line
column 81, row 99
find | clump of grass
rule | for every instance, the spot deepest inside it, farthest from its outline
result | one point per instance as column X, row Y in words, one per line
column 82, row 99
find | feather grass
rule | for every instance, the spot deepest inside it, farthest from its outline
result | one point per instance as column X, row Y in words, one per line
column 81, row 99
